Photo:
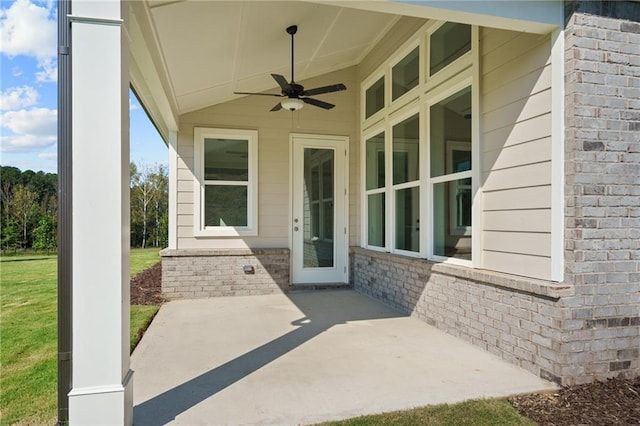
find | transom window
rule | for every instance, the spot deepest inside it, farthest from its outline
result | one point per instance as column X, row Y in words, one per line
column 448, row 43
column 226, row 166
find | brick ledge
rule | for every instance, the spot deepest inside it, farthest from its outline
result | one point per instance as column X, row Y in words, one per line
column 223, row 252
column 550, row 289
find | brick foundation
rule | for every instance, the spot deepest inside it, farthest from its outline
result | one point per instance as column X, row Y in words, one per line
column 213, row 273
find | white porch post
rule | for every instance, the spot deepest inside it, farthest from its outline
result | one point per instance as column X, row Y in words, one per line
column 102, row 391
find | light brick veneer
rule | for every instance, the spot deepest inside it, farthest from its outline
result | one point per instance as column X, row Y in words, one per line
column 602, row 188
column 219, row 272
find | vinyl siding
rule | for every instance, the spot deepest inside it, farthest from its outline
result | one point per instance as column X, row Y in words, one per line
column 515, row 100
column 274, row 128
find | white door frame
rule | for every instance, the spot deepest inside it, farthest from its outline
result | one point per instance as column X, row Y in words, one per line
column 339, row 274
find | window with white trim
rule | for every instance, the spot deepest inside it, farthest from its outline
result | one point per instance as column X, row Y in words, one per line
column 417, row 153
column 450, row 177
column 375, row 188
column 226, row 166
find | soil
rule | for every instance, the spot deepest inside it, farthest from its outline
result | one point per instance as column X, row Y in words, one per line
column 146, row 287
column 614, row 402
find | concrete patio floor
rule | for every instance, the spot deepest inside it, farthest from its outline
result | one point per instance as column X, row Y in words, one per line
column 302, row 358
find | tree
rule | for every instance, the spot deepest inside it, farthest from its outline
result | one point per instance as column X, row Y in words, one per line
column 45, row 234
column 141, row 197
column 10, row 235
column 149, row 205
column 22, row 204
column 160, row 190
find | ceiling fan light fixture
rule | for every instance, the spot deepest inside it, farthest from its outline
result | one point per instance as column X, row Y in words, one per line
column 292, row 104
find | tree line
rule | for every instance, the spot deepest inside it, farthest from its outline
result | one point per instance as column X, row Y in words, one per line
column 29, row 208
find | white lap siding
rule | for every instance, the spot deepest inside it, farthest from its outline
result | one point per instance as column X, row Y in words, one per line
column 515, row 84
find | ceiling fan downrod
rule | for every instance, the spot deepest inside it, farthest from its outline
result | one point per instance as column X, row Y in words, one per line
column 293, row 29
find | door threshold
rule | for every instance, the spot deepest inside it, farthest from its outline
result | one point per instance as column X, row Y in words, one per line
column 319, row 286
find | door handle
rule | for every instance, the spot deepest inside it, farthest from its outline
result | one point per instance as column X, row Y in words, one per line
column 295, row 228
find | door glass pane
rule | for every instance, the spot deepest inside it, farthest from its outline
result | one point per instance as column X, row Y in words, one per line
column 448, row 43
column 406, row 140
column 226, row 159
column 374, row 98
column 327, row 179
column 452, row 219
column 450, row 130
column 408, row 219
column 375, row 221
column 318, row 208
column 225, row 205
column 405, row 74
column 375, row 161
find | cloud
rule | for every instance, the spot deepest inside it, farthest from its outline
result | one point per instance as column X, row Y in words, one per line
column 49, row 73
column 132, row 105
column 18, row 97
column 30, row 30
column 48, row 155
column 25, row 143
column 32, row 129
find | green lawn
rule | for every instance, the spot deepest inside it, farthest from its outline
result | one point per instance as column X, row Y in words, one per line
column 485, row 412
column 28, row 334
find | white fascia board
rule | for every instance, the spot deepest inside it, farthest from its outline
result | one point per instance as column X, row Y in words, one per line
column 149, row 77
column 540, row 17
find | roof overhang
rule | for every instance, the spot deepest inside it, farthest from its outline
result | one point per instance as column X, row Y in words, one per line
column 191, row 54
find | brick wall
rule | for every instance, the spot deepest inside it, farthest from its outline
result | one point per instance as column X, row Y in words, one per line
column 516, row 318
column 220, row 272
column 602, row 188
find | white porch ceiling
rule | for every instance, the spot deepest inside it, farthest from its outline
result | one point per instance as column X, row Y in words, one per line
column 210, row 49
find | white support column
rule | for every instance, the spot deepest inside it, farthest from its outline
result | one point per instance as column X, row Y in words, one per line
column 102, row 386
column 173, row 190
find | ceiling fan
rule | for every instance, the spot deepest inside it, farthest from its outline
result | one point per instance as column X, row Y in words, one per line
column 295, row 94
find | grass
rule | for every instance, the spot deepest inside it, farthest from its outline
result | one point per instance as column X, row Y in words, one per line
column 28, row 334
column 484, row 412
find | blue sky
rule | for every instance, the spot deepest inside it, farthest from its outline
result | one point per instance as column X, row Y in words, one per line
column 28, row 92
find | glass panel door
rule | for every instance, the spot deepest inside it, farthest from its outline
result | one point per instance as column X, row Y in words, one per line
column 319, row 217
column 319, row 208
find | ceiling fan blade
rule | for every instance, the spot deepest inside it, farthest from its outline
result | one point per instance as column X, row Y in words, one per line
column 282, row 82
column 277, row 107
column 259, row 94
column 318, row 103
column 325, row 89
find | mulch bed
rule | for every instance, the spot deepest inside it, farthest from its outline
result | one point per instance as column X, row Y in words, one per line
column 614, row 402
column 146, row 287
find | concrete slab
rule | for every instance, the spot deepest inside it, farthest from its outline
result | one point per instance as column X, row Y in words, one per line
column 303, row 358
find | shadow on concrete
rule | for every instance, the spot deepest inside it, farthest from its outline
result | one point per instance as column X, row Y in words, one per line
column 320, row 314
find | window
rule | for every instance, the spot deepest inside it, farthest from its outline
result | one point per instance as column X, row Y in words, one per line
column 450, row 153
column 374, row 98
column 405, row 74
column 226, row 175
column 406, row 183
column 448, row 43
column 418, row 177
column 375, row 189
